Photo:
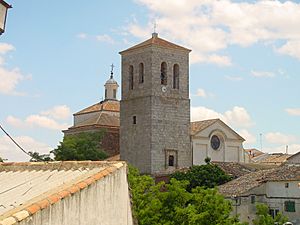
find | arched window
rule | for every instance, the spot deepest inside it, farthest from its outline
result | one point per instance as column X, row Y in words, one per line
column 130, row 77
column 176, row 76
column 141, row 73
column 163, row 73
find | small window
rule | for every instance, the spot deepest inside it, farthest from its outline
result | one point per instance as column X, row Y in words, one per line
column 141, row 73
column 115, row 93
column 252, row 199
column 163, row 73
column 176, row 76
column 105, row 93
column 289, row 206
column 171, row 160
column 273, row 212
column 286, row 185
column 130, row 77
column 134, row 120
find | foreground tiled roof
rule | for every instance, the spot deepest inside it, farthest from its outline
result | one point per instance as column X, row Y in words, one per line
column 156, row 41
column 27, row 188
column 249, row 181
column 275, row 158
column 108, row 105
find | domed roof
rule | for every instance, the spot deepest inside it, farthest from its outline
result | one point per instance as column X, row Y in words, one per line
column 111, row 80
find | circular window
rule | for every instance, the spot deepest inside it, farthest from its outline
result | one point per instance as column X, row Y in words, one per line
column 215, row 142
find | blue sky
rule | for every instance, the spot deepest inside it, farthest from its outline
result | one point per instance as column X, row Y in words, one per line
column 55, row 57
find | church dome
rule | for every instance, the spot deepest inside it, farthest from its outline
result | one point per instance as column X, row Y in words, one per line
column 111, row 80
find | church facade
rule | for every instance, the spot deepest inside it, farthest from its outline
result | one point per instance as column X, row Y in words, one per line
column 216, row 140
column 155, row 106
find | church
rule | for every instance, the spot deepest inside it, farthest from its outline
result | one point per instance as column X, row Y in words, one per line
column 150, row 127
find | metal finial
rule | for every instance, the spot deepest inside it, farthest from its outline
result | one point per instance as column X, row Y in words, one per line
column 154, row 26
column 112, row 71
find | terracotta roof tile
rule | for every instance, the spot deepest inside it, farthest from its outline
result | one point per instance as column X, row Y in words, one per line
column 198, row 126
column 108, row 105
column 156, row 41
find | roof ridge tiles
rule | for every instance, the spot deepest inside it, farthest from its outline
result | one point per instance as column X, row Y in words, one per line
column 53, row 198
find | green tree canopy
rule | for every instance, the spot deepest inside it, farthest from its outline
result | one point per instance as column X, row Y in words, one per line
column 208, row 176
column 37, row 157
column 82, row 146
column 172, row 204
column 264, row 218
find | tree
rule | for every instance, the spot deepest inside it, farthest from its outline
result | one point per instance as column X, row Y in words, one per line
column 1, row 160
column 264, row 218
column 172, row 204
column 208, row 176
column 37, row 157
column 82, row 146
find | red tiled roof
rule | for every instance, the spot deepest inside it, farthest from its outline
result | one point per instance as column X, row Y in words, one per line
column 156, row 41
column 108, row 105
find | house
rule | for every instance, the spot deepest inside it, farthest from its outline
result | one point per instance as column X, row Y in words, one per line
column 253, row 152
column 72, row 193
column 271, row 158
column 294, row 159
column 216, row 140
column 278, row 187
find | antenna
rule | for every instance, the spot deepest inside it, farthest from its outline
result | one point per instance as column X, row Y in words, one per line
column 112, row 71
column 261, row 147
column 154, row 26
column 286, row 149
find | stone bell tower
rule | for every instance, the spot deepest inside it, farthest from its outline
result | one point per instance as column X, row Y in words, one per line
column 155, row 106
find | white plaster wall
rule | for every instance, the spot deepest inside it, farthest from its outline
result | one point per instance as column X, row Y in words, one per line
column 231, row 149
column 105, row 202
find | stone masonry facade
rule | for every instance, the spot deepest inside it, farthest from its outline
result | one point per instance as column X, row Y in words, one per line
column 155, row 120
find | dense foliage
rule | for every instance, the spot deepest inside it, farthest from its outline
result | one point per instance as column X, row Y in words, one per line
column 172, row 204
column 82, row 146
column 208, row 176
column 37, row 157
column 264, row 218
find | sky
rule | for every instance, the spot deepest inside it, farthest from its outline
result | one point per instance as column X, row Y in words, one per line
column 55, row 57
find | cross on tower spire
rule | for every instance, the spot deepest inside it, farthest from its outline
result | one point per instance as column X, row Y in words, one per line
column 112, row 71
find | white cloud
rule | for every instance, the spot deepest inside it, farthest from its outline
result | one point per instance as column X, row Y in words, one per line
column 105, row 38
column 9, row 151
column 291, row 48
column 5, row 48
column 234, row 78
column 58, row 112
column 279, row 138
column 293, row 111
column 45, row 122
column 45, row 119
column 262, row 74
column 82, row 36
column 249, row 138
column 210, row 26
column 9, row 78
column 237, row 116
column 201, row 93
